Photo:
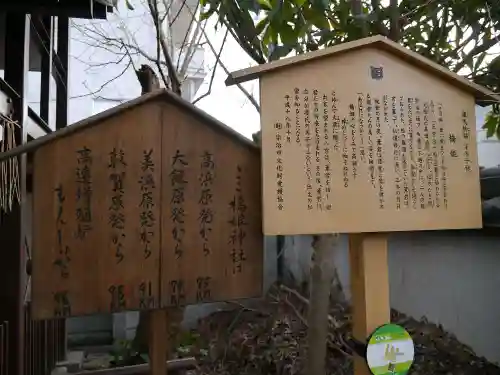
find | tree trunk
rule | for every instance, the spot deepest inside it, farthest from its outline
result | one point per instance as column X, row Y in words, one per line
column 141, row 339
column 323, row 272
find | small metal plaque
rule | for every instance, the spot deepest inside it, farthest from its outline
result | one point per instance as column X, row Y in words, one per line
column 377, row 72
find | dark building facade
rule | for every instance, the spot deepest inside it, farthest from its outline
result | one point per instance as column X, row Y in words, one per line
column 34, row 36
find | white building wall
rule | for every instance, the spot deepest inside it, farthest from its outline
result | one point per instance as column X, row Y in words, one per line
column 488, row 150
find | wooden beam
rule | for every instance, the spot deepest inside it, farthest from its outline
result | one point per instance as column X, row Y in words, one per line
column 72, row 8
column 35, row 125
column 62, row 77
column 370, row 288
column 46, row 51
column 158, row 341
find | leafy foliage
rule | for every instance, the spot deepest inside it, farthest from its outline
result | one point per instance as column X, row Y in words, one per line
column 458, row 34
column 123, row 354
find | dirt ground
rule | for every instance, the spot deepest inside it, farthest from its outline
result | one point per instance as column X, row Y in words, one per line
column 268, row 337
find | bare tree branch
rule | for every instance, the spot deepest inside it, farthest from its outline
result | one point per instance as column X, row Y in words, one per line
column 191, row 45
column 178, row 13
column 174, row 80
column 92, row 93
column 153, row 7
column 239, row 85
column 127, row 45
column 217, row 60
column 200, row 27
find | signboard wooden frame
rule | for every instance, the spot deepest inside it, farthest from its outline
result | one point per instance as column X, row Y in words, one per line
column 402, row 155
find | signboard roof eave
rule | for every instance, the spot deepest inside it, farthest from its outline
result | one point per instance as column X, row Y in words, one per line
column 482, row 95
column 159, row 95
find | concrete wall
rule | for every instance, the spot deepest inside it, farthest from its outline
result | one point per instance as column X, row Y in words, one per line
column 488, row 150
column 451, row 277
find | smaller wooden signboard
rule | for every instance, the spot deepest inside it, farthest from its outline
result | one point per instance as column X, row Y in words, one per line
column 149, row 205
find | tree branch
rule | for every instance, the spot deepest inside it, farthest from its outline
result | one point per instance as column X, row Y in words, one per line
column 191, row 46
column 153, row 8
column 217, row 60
column 174, row 80
column 239, row 85
column 486, row 45
column 91, row 93
column 394, row 31
column 178, row 13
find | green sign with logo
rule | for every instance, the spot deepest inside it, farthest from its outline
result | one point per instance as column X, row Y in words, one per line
column 390, row 351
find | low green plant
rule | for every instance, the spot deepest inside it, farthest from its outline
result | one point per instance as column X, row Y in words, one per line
column 123, row 354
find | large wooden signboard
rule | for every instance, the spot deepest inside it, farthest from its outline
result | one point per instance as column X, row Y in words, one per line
column 366, row 142
column 149, row 208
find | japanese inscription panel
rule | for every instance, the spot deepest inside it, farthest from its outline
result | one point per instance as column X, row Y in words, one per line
column 130, row 217
column 96, row 219
column 366, row 143
column 211, row 229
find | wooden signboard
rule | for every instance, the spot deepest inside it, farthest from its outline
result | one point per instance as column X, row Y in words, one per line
column 145, row 207
column 361, row 140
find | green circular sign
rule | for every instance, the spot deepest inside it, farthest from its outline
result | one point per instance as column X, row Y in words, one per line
column 390, row 351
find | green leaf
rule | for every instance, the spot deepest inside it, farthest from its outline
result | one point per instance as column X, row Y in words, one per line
column 287, row 34
column 129, row 5
column 317, row 17
column 261, row 25
column 479, row 62
column 288, row 11
column 299, row 3
column 207, row 14
column 270, row 36
column 280, row 52
column 265, row 4
column 321, row 4
column 491, row 124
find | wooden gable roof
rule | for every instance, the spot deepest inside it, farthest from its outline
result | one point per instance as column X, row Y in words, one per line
column 483, row 95
column 160, row 95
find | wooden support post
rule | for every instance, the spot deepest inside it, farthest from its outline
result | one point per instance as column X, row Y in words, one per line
column 158, row 341
column 370, row 288
column 62, row 64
